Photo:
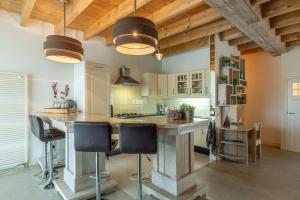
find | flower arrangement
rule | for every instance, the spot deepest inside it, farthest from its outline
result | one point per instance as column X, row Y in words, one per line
column 65, row 94
column 54, row 89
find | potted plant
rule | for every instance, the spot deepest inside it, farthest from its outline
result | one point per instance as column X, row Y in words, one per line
column 187, row 111
column 223, row 79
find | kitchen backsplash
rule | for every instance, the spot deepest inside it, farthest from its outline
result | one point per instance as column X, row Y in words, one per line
column 129, row 100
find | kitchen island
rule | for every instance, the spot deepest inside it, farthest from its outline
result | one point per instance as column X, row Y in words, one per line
column 173, row 174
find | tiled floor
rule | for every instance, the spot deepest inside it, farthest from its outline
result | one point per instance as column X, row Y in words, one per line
column 276, row 176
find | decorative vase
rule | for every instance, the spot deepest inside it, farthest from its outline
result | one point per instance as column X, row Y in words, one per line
column 188, row 115
column 56, row 104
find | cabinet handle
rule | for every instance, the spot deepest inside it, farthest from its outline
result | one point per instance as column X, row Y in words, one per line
column 291, row 113
column 206, row 90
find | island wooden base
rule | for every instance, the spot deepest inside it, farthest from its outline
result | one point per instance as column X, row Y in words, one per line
column 198, row 192
column 107, row 186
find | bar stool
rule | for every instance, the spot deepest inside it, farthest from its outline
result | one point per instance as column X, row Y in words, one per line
column 93, row 137
column 46, row 136
column 138, row 139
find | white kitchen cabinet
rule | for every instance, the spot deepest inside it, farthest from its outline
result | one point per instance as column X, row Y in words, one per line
column 182, row 85
column 197, row 83
column 149, row 88
column 162, row 81
column 172, row 85
column 92, row 88
column 200, row 138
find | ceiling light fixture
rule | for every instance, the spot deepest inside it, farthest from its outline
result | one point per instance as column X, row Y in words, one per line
column 158, row 55
column 135, row 35
column 62, row 48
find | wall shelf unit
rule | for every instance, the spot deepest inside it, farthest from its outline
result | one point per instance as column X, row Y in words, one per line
column 233, row 92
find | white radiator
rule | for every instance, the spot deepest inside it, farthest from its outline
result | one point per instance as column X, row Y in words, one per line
column 13, row 120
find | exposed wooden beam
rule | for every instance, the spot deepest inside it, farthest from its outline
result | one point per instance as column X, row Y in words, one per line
column 200, row 32
column 279, row 7
column 73, row 10
column 186, row 46
column 171, row 10
column 246, row 46
column 285, row 19
column 188, row 23
column 26, row 12
column 167, row 12
column 293, row 43
column 243, row 16
column 288, row 29
column 123, row 10
column 238, row 41
column 254, row 50
column 258, row 2
column 290, row 37
column 231, row 34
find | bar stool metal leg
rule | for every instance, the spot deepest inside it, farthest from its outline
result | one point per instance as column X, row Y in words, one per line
column 49, row 184
column 98, row 179
column 139, row 174
column 45, row 172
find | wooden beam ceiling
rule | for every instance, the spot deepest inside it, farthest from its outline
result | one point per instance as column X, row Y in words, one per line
column 231, row 34
column 188, row 23
column 254, row 50
column 238, row 41
column 186, row 46
column 288, row 29
column 123, row 10
column 285, row 19
column 293, row 43
column 200, row 32
column 258, row 2
column 26, row 11
column 73, row 10
column 290, row 37
column 279, row 7
column 243, row 16
column 247, row 46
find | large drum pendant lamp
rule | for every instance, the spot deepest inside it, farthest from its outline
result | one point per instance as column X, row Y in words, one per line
column 62, row 48
column 135, row 35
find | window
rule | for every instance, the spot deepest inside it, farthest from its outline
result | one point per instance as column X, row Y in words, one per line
column 296, row 89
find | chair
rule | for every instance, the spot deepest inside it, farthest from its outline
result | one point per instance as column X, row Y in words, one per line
column 93, row 137
column 138, row 139
column 48, row 137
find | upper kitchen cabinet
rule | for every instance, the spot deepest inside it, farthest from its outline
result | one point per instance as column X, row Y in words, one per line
column 149, row 88
column 193, row 84
column 172, row 85
column 162, row 85
column 92, row 88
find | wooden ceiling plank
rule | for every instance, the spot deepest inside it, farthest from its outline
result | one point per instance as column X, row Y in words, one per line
column 200, row 32
column 173, row 9
column 186, row 46
column 188, row 23
column 243, row 16
column 247, row 46
column 258, row 2
column 231, row 34
column 279, row 7
column 124, row 9
column 285, row 19
column 26, row 11
column 293, row 43
column 288, row 29
column 290, row 37
column 238, row 41
column 254, row 50
column 73, row 10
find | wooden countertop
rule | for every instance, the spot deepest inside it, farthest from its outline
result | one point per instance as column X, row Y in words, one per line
column 160, row 121
column 237, row 128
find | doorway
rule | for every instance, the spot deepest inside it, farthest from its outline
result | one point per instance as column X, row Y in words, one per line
column 293, row 115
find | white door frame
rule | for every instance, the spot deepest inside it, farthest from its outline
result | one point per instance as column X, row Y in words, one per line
column 284, row 145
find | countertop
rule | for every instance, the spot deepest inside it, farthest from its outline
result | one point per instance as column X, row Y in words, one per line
column 160, row 121
column 237, row 128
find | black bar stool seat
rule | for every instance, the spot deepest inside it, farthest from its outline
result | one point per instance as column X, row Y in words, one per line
column 46, row 136
column 140, row 138
column 93, row 137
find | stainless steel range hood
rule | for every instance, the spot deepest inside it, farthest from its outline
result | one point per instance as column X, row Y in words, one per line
column 125, row 78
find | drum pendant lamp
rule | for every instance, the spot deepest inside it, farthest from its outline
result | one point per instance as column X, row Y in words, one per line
column 135, row 35
column 62, row 48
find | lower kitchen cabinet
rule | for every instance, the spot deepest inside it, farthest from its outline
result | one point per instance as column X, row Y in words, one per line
column 200, row 138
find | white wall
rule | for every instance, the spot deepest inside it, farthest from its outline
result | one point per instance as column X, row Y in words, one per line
column 22, row 52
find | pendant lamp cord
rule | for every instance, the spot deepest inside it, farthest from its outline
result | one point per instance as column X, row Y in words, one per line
column 134, row 7
column 64, row 18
